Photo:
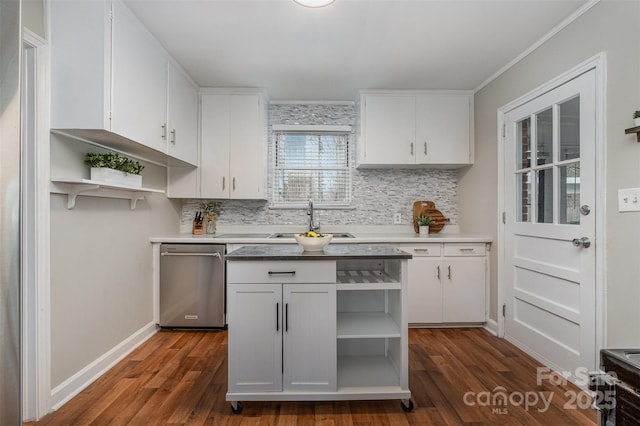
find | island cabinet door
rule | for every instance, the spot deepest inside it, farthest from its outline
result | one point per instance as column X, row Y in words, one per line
column 255, row 337
column 309, row 337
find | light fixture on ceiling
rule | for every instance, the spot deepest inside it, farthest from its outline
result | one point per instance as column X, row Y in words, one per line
column 314, row 3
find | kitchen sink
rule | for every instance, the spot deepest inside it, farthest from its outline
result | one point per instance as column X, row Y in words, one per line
column 633, row 356
column 242, row 236
column 291, row 234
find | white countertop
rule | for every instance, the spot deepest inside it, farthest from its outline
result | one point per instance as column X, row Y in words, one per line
column 390, row 234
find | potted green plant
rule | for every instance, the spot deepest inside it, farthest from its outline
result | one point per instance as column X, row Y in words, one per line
column 423, row 221
column 114, row 168
column 211, row 211
column 636, row 118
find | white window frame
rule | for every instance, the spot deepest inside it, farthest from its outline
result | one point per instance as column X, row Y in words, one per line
column 311, row 129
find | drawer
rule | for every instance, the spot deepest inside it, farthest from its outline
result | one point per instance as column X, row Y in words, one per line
column 465, row 249
column 268, row 272
column 422, row 250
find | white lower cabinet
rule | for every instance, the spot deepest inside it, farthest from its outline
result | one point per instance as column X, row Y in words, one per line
column 271, row 339
column 425, row 290
column 282, row 326
column 463, row 291
column 255, row 327
column 447, row 283
column 308, row 342
column 317, row 330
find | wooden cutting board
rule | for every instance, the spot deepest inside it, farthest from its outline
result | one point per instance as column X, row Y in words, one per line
column 428, row 208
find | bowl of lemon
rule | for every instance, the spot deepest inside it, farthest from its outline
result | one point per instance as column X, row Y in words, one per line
column 313, row 241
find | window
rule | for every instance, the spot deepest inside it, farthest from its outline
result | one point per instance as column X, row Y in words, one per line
column 312, row 164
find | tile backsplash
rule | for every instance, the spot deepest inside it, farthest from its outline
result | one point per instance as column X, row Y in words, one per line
column 377, row 193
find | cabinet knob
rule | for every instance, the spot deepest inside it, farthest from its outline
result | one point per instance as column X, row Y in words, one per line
column 163, row 131
column 224, row 182
column 173, row 136
column 411, row 145
column 425, row 148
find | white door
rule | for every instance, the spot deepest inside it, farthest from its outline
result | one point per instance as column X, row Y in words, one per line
column 246, row 159
column 214, row 162
column 255, row 337
column 139, row 81
column 550, row 245
column 182, row 116
column 441, row 138
column 425, row 290
column 309, row 337
column 389, row 129
column 463, row 293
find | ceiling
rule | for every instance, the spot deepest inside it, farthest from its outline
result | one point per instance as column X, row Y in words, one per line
column 329, row 53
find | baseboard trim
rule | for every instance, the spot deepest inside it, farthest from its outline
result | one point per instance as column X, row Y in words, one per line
column 491, row 326
column 62, row 393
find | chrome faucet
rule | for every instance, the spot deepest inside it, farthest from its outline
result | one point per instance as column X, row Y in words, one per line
column 312, row 223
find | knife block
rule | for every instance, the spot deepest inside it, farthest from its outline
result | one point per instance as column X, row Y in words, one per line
column 197, row 228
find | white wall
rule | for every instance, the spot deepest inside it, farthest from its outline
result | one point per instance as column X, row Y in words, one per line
column 611, row 26
column 33, row 16
column 101, row 264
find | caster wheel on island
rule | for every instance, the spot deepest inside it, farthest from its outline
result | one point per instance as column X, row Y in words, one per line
column 408, row 407
column 236, row 407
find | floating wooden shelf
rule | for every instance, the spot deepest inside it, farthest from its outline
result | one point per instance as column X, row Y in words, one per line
column 92, row 188
column 635, row 130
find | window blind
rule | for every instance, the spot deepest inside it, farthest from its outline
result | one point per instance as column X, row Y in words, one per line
column 312, row 165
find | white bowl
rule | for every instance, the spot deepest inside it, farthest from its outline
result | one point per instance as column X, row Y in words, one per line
column 313, row 243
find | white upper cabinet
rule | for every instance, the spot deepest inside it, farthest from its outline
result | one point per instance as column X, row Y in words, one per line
column 80, row 65
column 388, row 129
column 233, row 144
column 139, row 81
column 402, row 128
column 182, row 116
column 110, row 80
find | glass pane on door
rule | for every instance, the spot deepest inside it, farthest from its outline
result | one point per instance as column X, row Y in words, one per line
column 523, row 195
column 544, row 139
column 523, row 144
column 569, row 194
column 569, row 146
column 544, row 195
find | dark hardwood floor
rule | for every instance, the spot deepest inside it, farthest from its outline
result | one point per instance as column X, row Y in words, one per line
column 456, row 377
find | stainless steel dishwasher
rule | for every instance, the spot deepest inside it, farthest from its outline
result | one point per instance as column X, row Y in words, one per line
column 192, row 285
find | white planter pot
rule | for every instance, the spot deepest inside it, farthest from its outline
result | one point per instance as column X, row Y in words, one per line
column 636, row 122
column 423, row 231
column 115, row 177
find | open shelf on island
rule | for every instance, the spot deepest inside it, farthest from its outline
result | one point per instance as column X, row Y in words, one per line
column 366, row 372
column 365, row 277
column 86, row 187
column 360, row 325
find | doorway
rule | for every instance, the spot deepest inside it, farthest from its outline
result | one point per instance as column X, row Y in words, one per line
column 549, row 284
column 35, row 227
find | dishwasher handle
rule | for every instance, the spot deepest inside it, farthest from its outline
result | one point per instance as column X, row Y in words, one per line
column 193, row 254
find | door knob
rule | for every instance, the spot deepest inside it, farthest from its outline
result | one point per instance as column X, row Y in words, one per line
column 583, row 242
column 585, row 210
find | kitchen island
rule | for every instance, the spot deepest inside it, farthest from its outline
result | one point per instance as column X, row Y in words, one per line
column 311, row 326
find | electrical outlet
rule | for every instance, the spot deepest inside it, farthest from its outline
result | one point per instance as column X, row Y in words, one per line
column 397, row 218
